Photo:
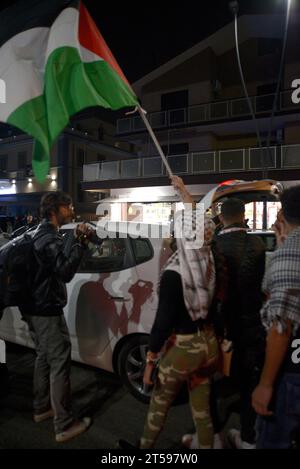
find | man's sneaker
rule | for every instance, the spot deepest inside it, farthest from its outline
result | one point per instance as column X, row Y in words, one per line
column 37, row 418
column 190, row 440
column 235, row 440
column 75, row 429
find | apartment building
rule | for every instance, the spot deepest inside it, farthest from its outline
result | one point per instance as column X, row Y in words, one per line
column 197, row 108
column 88, row 139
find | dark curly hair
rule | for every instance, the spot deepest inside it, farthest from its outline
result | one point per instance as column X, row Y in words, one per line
column 232, row 207
column 51, row 202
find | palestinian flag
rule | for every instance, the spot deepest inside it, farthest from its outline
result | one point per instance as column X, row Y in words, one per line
column 55, row 63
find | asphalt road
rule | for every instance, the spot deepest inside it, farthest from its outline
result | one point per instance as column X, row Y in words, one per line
column 116, row 414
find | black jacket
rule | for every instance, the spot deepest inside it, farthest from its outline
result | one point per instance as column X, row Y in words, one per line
column 172, row 315
column 53, row 270
column 245, row 260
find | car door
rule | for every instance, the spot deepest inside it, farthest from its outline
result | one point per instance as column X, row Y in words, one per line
column 151, row 255
column 100, row 299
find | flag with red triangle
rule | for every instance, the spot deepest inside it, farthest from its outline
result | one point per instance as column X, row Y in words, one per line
column 55, row 63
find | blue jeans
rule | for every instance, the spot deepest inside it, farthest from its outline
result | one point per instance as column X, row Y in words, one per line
column 277, row 432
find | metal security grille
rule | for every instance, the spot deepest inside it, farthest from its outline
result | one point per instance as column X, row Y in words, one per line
column 265, row 158
column 152, row 167
column 290, row 156
column 130, row 168
column 178, row 164
column 240, row 107
column 91, row 172
column 203, row 162
column 158, row 119
column 232, row 160
column 197, row 113
column 219, row 110
column 110, row 170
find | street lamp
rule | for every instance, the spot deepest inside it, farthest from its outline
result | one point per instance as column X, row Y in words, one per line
column 53, row 180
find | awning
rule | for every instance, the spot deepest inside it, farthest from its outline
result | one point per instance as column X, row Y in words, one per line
column 132, row 200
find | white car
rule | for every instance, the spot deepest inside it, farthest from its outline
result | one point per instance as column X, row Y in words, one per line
column 112, row 302
column 112, row 299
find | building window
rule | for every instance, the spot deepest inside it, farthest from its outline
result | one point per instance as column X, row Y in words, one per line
column 80, row 157
column 22, row 159
column 3, row 163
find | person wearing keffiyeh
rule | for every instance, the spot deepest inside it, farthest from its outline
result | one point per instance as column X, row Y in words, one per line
column 185, row 293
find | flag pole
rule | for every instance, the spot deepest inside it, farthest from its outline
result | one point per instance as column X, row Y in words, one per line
column 155, row 141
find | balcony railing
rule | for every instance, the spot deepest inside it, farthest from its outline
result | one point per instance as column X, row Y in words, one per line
column 212, row 162
column 219, row 110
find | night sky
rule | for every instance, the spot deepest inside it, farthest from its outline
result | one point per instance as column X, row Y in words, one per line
column 143, row 35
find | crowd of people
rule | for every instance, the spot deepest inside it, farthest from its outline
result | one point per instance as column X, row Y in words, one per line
column 19, row 224
column 209, row 295
column 260, row 312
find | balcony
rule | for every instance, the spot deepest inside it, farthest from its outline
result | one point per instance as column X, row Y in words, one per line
column 208, row 162
column 210, row 112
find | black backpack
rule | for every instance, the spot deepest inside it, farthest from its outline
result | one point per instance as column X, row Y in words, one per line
column 18, row 265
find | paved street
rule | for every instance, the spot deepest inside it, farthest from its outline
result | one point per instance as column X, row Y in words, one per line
column 116, row 414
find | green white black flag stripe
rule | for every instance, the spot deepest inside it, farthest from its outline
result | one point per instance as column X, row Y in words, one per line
column 55, row 70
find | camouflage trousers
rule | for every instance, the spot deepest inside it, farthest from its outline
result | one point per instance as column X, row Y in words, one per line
column 192, row 359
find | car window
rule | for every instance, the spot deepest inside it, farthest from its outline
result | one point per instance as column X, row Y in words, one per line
column 111, row 254
column 142, row 250
column 108, row 256
column 269, row 239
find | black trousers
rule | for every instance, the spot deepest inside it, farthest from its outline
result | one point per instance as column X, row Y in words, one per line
column 247, row 363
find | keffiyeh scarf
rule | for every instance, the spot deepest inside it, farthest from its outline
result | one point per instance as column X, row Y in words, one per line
column 196, row 267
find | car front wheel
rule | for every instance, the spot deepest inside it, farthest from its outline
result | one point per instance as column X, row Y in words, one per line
column 131, row 366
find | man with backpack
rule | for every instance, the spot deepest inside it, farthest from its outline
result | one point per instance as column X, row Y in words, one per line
column 43, row 311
